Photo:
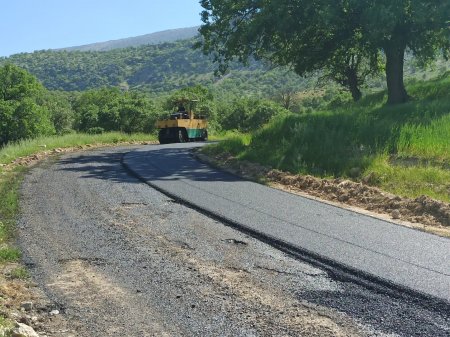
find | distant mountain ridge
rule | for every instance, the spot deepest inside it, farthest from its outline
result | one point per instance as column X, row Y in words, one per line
column 170, row 35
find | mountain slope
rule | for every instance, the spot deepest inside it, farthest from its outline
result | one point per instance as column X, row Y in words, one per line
column 151, row 68
column 170, row 35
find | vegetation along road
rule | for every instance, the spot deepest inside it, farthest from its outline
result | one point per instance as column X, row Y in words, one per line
column 116, row 257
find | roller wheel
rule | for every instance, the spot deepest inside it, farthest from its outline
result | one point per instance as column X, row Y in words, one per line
column 182, row 136
column 204, row 136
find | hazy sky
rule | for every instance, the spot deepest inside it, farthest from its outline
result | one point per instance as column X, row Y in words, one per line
column 28, row 25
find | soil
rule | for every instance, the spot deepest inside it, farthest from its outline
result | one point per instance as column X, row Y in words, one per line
column 423, row 213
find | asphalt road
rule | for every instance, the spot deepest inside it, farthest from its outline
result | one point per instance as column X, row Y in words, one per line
column 372, row 248
column 118, row 258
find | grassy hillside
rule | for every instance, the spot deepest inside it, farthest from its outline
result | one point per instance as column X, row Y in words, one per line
column 152, row 68
column 162, row 68
column 404, row 149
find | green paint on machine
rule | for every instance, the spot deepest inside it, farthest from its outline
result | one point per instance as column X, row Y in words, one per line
column 195, row 133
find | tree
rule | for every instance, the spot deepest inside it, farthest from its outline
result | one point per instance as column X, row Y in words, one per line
column 350, row 67
column 137, row 113
column 198, row 96
column 110, row 109
column 61, row 111
column 312, row 35
column 249, row 114
column 394, row 26
column 22, row 112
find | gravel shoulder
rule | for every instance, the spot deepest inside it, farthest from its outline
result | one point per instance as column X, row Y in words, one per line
column 116, row 257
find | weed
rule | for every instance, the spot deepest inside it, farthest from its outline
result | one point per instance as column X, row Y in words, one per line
column 19, row 273
column 30, row 146
column 8, row 254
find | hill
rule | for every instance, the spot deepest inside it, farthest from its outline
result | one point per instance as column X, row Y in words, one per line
column 161, row 68
column 151, row 68
column 170, row 35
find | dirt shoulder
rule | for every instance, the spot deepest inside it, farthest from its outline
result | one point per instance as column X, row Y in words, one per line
column 21, row 301
column 423, row 213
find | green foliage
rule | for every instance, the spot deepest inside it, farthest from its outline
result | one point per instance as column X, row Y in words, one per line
column 22, row 111
column 248, row 114
column 19, row 273
column 336, row 35
column 8, row 254
column 62, row 115
column 154, row 69
column 109, row 109
column 406, row 142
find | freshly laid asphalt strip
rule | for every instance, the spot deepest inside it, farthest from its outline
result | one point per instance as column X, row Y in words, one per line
column 399, row 255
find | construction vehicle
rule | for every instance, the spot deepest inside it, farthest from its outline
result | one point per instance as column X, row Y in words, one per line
column 183, row 125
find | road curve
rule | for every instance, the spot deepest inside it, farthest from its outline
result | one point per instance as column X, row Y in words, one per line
column 395, row 254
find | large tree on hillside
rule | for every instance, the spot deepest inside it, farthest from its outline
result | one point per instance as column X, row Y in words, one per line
column 313, row 35
column 394, row 26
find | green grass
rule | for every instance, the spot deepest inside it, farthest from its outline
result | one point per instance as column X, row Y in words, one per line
column 9, row 204
column 19, row 273
column 411, row 181
column 363, row 135
column 8, row 254
column 28, row 147
column 6, row 325
column 430, row 141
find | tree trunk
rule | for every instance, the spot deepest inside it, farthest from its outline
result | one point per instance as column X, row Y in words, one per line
column 395, row 54
column 352, row 84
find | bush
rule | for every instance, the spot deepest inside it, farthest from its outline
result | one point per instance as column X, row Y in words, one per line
column 95, row 130
column 248, row 114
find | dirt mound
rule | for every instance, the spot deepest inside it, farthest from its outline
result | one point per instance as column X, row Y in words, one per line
column 422, row 210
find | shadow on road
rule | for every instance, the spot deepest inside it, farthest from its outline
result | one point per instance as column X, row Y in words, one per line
column 163, row 164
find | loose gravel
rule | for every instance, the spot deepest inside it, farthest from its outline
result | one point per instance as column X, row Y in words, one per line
column 117, row 258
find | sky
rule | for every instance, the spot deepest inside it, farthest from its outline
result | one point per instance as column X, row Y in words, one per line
column 29, row 25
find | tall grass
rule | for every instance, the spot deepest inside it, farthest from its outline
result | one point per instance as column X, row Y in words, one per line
column 430, row 141
column 333, row 141
column 27, row 147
